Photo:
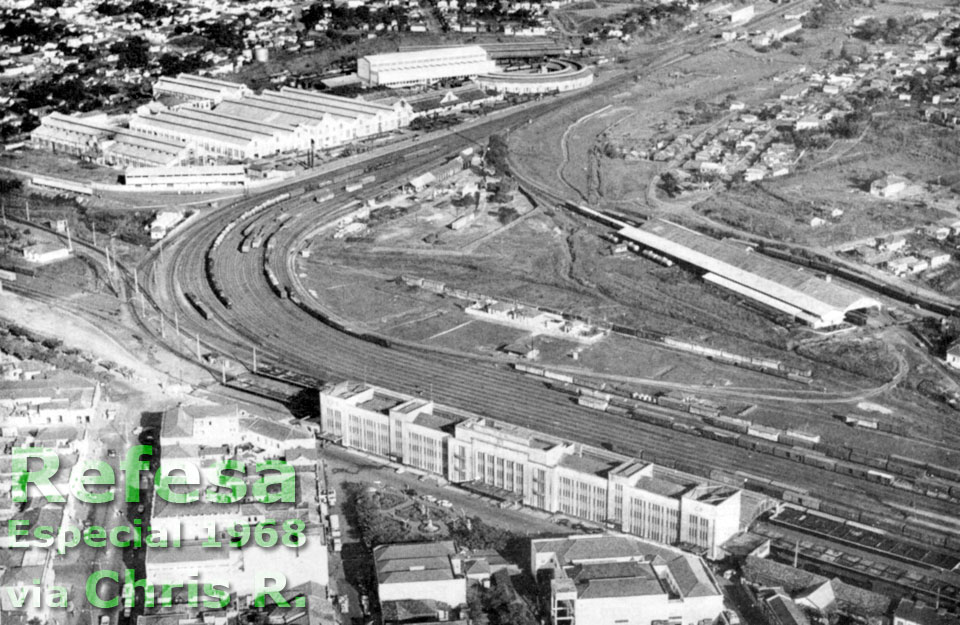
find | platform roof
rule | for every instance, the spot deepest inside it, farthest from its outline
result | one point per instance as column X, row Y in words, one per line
column 779, row 281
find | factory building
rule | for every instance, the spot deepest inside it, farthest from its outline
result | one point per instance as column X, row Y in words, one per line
column 289, row 120
column 225, row 122
column 130, row 149
column 515, row 464
column 216, row 134
column 424, row 67
column 607, row 580
column 197, row 91
column 801, row 294
column 67, row 134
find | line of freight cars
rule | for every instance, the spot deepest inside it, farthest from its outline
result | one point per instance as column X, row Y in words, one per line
column 335, row 323
column 761, row 365
column 209, row 263
column 733, row 431
column 278, row 290
column 744, row 434
column 801, row 496
column 898, row 465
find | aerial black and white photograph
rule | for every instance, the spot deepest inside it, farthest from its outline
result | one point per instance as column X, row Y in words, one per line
column 479, row 312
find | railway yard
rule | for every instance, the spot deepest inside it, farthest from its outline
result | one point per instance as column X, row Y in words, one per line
column 355, row 272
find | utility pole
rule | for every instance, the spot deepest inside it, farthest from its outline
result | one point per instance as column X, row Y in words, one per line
column 176, row 322
column 254, row 359
column 69, row 240
column 28, row 210
column 223, row 371
column 198, row 346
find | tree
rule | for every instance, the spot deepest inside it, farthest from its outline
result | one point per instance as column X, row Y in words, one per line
column 497, row 152
column 134, row 52
column 9, row 185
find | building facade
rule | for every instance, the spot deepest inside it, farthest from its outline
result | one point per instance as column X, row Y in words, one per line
column 516, row 464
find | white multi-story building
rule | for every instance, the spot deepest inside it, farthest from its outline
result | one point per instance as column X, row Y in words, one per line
column 622, row 580
column 540, row 471
column 421, row 67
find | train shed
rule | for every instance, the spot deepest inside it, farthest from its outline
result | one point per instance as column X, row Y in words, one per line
column 800, row 293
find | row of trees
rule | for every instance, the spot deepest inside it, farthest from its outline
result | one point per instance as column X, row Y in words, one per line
column 344, row 18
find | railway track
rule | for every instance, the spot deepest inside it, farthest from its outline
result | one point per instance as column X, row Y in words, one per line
column 287, row 337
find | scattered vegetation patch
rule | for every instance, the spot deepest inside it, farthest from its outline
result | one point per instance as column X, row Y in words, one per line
column 868, row 358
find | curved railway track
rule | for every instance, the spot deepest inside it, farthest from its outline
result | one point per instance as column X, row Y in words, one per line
column 286, row 336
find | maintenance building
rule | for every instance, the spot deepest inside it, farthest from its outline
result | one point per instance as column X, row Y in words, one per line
column 424, row 67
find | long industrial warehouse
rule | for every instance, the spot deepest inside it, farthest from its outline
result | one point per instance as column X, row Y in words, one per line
column 254, row 126
column 793, row 291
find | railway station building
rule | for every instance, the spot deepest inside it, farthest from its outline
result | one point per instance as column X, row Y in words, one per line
column 424, row 67
column 797, row 292
column 607, row 580
column 518, row 465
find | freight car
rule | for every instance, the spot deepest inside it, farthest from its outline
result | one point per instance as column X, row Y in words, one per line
column 519, row 366
column 592, row 402
column 274, row 283
column 198, row 305
column 944, row 472
column 818, row 460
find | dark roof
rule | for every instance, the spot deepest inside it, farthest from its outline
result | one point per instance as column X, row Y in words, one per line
column 786, row 611
column 918, row 612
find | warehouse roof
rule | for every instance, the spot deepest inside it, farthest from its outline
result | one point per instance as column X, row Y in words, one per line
column 206, row 170
column 257, row 107
column 313, row 106
column 432, row 55
column 780, row 281
column 333, row 100
column 199, row 129
column 216, row 117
